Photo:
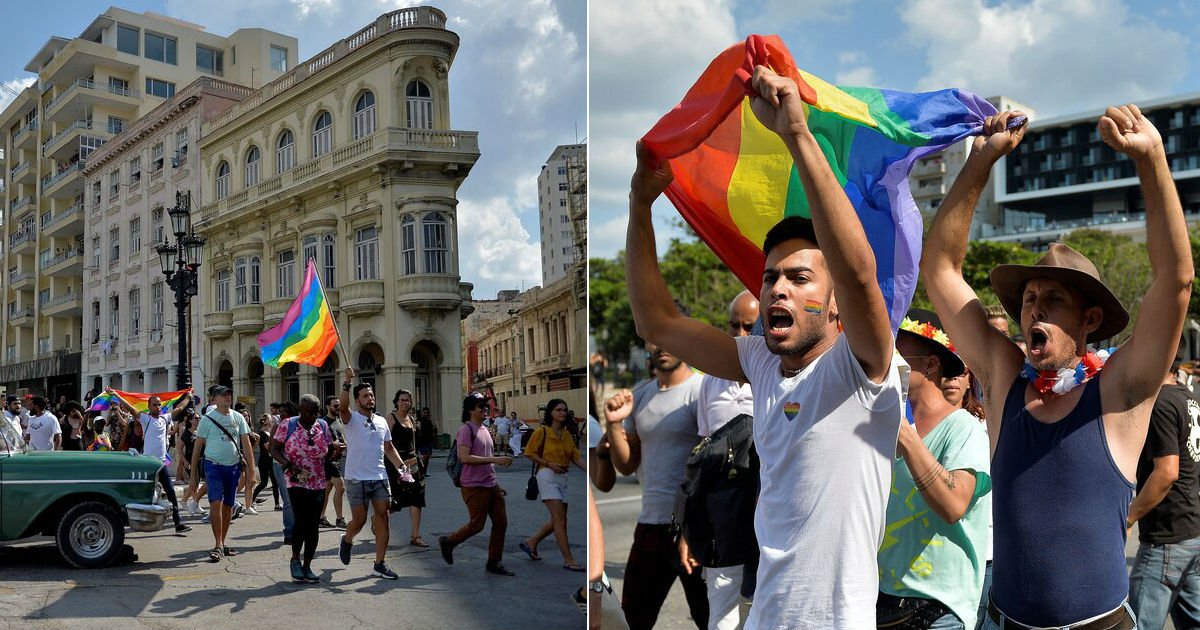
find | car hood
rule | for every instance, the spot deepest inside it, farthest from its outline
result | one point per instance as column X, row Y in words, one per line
column 79, row 464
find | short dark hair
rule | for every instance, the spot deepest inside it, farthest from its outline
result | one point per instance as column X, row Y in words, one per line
column 39, row 402
column 788, row 229
column 288, row 408
column 358, row 388
column 329, row 400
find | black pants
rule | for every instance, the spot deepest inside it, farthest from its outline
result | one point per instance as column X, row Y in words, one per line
column 169, row 489
column 265, row 476
column 306, row 504
column 652, row 568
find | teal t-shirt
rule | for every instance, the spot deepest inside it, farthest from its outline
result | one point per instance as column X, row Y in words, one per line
column 922, row 555
column 217, row 446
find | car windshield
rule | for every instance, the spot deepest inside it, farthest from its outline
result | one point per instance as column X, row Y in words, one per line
column 10, row 438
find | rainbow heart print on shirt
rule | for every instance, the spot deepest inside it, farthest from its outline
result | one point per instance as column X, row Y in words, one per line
column 790, row 409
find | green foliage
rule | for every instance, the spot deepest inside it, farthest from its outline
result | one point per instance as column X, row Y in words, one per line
column 1123, row 264
column 608, row 308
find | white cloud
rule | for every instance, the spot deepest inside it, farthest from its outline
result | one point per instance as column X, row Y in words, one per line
column 857, row 76
column 494, row 247
column 16, row 85
column 1060, row 56
column 644, row 57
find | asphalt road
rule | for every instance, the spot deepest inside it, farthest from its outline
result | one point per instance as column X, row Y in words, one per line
column 172, row 584
column 619, row 511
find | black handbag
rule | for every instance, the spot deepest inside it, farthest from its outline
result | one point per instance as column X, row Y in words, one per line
column 715, row 504
column 531, row 488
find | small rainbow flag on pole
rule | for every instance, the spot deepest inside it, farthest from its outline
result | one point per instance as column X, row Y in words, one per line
column 140, row 402
column 307, row 333
column 735, row 179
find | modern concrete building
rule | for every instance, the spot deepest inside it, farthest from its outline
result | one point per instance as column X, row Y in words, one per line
column 562, row 175
column 130, row 334
column 534, row 352
column 1062, row 177
column 350, row 160
column 89, row 89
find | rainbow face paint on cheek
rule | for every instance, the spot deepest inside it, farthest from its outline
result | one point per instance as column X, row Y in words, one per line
column 813, row 307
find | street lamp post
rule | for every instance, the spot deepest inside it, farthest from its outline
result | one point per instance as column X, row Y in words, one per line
column 181, row 265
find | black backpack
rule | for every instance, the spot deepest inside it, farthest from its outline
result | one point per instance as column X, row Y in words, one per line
column 715, row 504
column 453, row 465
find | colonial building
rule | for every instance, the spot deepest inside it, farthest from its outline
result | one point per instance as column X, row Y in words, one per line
column 349, row 160
column 534, row 352
column 130, row 337
column 89, row 89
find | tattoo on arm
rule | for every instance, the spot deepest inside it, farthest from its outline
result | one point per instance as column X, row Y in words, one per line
column 950, row 479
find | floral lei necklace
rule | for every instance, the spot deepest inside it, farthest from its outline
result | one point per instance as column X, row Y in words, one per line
column 1064, row 380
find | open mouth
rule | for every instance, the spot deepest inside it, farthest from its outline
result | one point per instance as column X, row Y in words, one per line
column 1036, row 343
column 779, row 320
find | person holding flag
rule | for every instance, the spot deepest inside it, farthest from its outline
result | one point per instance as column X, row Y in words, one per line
column 155, row 427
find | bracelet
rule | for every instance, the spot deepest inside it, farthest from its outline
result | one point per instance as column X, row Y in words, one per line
column 346, row 386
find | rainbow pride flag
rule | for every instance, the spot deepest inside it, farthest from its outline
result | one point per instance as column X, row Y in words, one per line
column 307, row 333
column 734, row 178
column 140, row 402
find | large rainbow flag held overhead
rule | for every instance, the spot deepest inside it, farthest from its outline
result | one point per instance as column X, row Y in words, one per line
column 307, row 333
column 140, row 402
column 734, row 178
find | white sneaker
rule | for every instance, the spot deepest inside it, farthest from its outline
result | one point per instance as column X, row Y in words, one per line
column 250, row 511
column 192, row 506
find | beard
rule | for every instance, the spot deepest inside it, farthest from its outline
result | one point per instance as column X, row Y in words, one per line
column 807, row 337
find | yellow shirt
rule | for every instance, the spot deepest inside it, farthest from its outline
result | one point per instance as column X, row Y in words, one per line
column 557, row 450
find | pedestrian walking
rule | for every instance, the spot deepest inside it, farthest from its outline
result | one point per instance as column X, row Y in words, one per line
column 223, row 438
column 406, row 494
column 552, row 452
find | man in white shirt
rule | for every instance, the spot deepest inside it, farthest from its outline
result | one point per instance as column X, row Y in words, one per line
column 514, row 433
column 368, row 441
column 502, row 431
column 15, row 414
column 155, row 427
column 43, row 433
column 827, row 404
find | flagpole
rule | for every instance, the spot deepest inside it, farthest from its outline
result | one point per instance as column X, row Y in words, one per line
column 325, row 298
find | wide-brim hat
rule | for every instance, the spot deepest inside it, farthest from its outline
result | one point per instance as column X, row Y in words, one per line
column 926, row 327
column 1074, row 270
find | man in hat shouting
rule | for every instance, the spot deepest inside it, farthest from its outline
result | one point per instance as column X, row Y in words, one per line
column 1065, row 436
column 933, row 556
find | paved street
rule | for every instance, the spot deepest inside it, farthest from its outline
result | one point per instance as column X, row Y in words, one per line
column 619, row 511
column 172, row 585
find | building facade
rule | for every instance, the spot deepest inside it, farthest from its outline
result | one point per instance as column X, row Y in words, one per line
column 1062, row 177
column 348, row 160
column 560, row 177
column 532, row 353
column 130, row 334
column 90, row 89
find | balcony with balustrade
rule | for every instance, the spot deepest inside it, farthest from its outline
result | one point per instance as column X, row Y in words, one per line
column 63, row 263
column 218, row 325
column 66, row 222
column 248, row 319
column 86, row 94
column 20, row 316
column 21, row 280
column 22, row 242
column 66, row 305
column 67, row 183
column 430, row 292
column 26, row 137
column 22, row 173
column 361, row 297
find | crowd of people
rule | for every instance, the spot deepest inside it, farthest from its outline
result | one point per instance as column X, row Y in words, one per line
column 941, row 476
column 305, row 455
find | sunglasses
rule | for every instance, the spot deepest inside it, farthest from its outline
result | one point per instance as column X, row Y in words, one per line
column 368, row 424
column 740, row 326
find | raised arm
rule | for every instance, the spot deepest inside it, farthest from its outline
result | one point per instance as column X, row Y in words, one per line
column 179, row 407
column 982, row 347
column 848, row 256
column 344, row 396
column 625, row 450
column 657, row 319
column 1136, row 371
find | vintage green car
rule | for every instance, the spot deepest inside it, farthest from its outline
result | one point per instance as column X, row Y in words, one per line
column 84, row 500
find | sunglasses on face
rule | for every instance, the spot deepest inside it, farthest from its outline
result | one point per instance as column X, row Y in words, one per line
column 740, row 326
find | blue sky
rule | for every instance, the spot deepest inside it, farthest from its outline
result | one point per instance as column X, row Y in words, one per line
column 518, row 78
column 1056, row 56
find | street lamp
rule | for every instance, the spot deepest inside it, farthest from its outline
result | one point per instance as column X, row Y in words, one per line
column 181, row 265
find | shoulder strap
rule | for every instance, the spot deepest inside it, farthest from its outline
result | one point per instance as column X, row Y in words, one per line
column 325, row 430
column 545, row 434
column 292, row 422
column 224, row 430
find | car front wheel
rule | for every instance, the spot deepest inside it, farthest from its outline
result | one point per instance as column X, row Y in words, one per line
column 90, row 535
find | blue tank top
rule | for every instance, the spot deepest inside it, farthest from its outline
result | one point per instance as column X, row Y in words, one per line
column 1059, row 505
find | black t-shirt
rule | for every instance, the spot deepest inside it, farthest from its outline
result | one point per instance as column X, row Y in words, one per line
column 1174, row 430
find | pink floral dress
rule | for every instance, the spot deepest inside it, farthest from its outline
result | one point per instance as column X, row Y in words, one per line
column 306, row 451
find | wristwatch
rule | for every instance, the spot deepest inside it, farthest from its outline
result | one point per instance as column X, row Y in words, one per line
column 599, row 586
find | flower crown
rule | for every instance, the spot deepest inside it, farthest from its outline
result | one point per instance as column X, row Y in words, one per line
column 928, row 331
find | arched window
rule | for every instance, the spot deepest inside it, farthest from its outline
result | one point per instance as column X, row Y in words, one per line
column 285, row 152
column 322, row 137
column 223, row 180
column 310, row 251
column 364, row 115
column 239, row 282
column 408, row 247
column 420, row 105
column 255, row 280
column 435, row 242
column 252, row 162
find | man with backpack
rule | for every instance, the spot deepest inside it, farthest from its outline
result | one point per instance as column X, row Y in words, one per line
column 471, row 465
column 723, row 405
column 224, row 438
column 368, row 441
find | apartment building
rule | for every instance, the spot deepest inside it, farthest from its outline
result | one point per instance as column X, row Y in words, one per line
column 130, row 334
column 534, row 352
column 349, row 160
column 1062, row 177
column 558, row 182
column 90, row 89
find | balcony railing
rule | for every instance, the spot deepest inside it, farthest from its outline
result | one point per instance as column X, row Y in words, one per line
column 62, row 215
column 30, row 128
column 48, row 261
column 21, row 237
column 15, row 277
column 88, row 84
column 51, row 180
column 20, row 312
column 20, row 202
column 61, row 299
column 20, row 169
column 78, row 124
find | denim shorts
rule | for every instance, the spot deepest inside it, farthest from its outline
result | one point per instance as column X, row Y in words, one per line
column 222, row 482
column 365, row 493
